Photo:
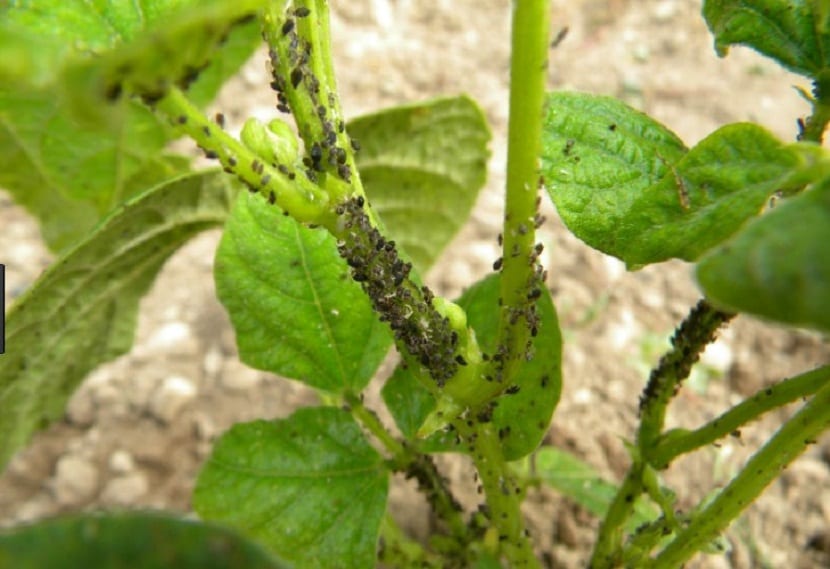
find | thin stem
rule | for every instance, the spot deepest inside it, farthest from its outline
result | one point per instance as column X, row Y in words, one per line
column 792, row 439
column 816, row 123
column 398, row 550
column 502, row 490
column 608, row 549
column 676, row 443
column 291, row 191
column 689, row 340
column 417, row 466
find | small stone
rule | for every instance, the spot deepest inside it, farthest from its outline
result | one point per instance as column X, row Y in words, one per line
column 121, row 462
column 718, row 356
column 236, row 376
column 76, row 480
column 125, row 489
column 171, row 396
column 212, row 363
column 171, row 335
column 81, row 409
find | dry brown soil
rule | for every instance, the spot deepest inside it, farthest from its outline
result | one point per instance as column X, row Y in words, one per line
column 137, row 431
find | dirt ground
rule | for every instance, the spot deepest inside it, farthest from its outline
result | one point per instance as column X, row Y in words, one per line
column 137, row 431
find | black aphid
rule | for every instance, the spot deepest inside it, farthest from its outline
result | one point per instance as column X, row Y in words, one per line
column 220, row 120
column 296, row 77
column 302, row 12
column 287, row 26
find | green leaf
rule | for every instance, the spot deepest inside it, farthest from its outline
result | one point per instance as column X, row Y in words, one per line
column 69, row 172
column 521, row 418
column 294, row 307
column 66, row 175
column 778, row 267
column 625, row 185
column 581, row 483
column 794, row 33
column 136, row 540
column 82, row 311
column 309, row 487
column 423, row 166
column 150, row 43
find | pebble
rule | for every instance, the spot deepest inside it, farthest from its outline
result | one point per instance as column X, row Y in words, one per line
column 171, row 335
column 170, row 397
column 81, row 409
column 125, row 489
column 121, row 462
column 76, row 480
column 236, row 376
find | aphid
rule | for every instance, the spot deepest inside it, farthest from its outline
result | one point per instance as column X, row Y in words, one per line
column 355, row 144
column 283, row 108
column 569, row 144
column 287, row 26
column 522, row 229
column 460, row 360
column 512, row 390
column 296, row 77
column 500, row 239
column 182, row 119
column 265, row 179
column 560, row 36
column 220, row 120
column 206, row 130
column 612, row 127
column 272, row 198
column 316, row 154
column 210, row 154
column 345, row 172
column 360, row 201
column 113, row 91
column 302, row 12
column 231, row 160
column 497, row 264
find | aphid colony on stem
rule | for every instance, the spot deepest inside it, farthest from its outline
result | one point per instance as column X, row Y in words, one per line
column 375, row 264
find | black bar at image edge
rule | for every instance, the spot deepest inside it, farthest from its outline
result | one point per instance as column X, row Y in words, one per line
column 3, row 309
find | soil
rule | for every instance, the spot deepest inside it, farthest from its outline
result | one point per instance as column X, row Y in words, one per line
column 136, row 432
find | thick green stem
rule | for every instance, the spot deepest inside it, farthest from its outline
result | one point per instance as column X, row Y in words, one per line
column 677, row 442
column 792, row 439
column 521, row 275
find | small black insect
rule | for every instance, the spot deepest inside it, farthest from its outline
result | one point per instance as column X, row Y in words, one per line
column 296, row 77
column 220, row 120
column 497, row 264
column 302, row 12
column 287, row 26
column 512, row 390
column 272, row 198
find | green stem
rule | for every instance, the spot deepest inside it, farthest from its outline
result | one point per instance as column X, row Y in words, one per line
column 608, row 549
column 521, row 275
column 816, row 123
column 792, row 439
column 503, row 492
column 691, row 338
column 677, row 442
column 400, row 551
column 298, row 195
column 415, row 465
